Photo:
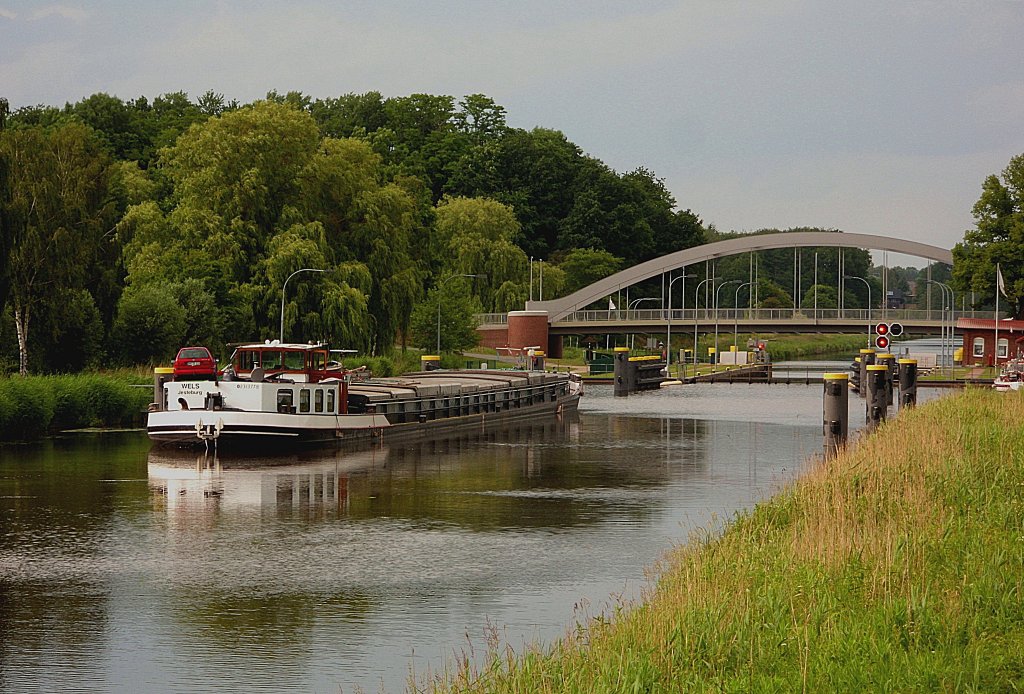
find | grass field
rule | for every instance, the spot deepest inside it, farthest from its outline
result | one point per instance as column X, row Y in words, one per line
column 897, row 566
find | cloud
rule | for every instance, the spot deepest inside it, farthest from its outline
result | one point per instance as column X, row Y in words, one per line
column 74, row 14
column 8, row 14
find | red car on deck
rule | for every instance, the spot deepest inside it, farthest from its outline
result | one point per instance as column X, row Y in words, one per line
column 195, row 364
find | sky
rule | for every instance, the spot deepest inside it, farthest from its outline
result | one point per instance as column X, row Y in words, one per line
column 869, row 117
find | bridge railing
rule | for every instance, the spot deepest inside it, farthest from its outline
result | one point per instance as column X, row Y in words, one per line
column 758, row 314
column 766, row 315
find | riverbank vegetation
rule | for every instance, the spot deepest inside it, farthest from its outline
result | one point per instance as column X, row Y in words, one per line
column 896, row 566
column 34, row 406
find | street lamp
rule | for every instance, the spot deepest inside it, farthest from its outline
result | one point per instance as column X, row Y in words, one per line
column 868, row 285
column 696, row 296
column 305, row 269
column 634, row 302
column 630, row 306
column 439, row 288
column 736, row 315
column 949, row 307
column 668, row 331
column 717, row 293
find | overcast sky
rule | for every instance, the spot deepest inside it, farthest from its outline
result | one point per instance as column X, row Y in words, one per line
column 870, row 117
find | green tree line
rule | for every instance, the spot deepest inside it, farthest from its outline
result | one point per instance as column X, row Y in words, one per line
column 132, row 227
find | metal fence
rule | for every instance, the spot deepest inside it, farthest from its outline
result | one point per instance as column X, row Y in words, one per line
column 745, row 314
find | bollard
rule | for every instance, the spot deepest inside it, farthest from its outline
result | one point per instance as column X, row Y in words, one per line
column 875, row 410
column 889, row 360
column 908, row 383
column 836, row 412
column 430, row 362
column 622, row 371
column 867, row 357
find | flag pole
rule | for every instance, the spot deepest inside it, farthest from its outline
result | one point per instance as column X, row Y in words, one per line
column 995, row 345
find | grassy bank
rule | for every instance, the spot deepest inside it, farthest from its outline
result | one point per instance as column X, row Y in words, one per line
column 899, row 566
column 38, row 405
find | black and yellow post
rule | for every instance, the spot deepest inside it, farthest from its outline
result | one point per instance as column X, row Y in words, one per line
column 876, row 406
column 835, row 412
column 908, row 382
column 867, row 357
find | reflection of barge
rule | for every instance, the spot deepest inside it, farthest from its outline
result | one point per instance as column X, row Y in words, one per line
column 290, row 394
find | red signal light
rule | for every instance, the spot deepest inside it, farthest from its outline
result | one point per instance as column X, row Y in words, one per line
column 882, row 329
column 882, row 342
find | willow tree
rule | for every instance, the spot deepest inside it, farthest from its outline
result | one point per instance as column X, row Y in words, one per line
column 477, row 235
column 256, row 195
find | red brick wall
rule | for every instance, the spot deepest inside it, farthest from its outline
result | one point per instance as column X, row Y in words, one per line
column 493, row 336
column 528, row 329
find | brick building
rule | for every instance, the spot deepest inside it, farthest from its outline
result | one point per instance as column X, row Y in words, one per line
column 979, row 337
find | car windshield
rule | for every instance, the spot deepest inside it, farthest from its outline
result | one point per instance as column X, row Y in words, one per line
column 194, row 353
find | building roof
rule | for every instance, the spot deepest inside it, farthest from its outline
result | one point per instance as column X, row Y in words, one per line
column 1007, row 325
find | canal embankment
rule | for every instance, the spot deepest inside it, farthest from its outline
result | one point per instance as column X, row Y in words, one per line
column 898, row 565
column 34, row 406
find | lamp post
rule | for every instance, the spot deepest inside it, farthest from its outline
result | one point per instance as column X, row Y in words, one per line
column 283, row 286
column 736, row 315
column 949, row 307
column 634, row 302
column 696, row 296
column 717, row 294
column 868, row 285
column 439, row 288
column 668, row 326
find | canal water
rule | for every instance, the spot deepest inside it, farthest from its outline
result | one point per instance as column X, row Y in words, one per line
column 124, row 569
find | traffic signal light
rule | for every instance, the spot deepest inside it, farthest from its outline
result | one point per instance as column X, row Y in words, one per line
column 882, row 332
column 895, row 329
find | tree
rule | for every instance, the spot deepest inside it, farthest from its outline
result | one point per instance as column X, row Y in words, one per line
column 457, row 322
column 61, row 213
column 476, row 235
column 150, row 324
column 7, row 225
column 820, row 296
column 998, row 238
column 584, row 266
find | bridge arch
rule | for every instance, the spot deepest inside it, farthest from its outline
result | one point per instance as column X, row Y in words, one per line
column 560, row 308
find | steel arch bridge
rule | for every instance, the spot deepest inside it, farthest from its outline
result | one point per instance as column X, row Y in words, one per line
column 559, row 309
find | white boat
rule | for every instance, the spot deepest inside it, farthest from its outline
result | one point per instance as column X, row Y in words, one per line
column 1010, row 377
column 292, row 394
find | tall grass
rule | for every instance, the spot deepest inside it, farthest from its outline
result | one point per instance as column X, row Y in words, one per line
column 897, row 566
column 37, row 405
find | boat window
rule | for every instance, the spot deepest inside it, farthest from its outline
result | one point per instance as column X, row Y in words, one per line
column 319, row 360
column 295, row 361
column 979, row 347
column 330, row 400
column 285, row 400
column 304, row 400
column 271, row 360
column 247, row 360
column 1003, row 348
column 318, row 400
